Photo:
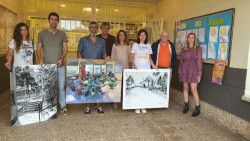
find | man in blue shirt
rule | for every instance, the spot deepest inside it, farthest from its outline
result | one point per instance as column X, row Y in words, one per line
column 92, row 47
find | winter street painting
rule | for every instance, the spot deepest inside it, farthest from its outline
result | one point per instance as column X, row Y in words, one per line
column 33, row 94
column 145, row 88
column 93, row 81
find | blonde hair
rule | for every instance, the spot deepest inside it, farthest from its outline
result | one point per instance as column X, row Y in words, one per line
column 224, row 47
column 195, row 45
column 223, row 29
column 213, row 30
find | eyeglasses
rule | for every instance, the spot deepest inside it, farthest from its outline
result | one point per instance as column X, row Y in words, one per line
column 93, row 27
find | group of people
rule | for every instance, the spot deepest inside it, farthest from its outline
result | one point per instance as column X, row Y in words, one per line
column 52, row 44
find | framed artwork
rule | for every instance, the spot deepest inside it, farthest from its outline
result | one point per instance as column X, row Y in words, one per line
column 93, row 81
column 146, row 88
column 33, row 93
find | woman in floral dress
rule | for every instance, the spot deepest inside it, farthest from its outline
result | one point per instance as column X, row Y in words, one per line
column 190, row 71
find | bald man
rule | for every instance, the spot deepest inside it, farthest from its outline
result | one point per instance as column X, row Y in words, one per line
column 164, row 54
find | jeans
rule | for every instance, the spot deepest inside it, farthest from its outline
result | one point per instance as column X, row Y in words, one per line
column 61, row 85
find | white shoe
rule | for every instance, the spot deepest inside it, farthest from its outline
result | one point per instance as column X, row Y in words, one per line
column 143, row 111
column 137, row 111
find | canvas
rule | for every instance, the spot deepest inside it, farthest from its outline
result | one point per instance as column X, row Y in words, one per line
column 33, row 94
column 146, row 88
column 93, row 81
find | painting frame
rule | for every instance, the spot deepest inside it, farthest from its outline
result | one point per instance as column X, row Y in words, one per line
column 33, row 94
column 93, row 81
column 153, row 84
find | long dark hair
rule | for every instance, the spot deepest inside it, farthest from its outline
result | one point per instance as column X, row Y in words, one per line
column 139, row 32
column 118, row 42
column 17, row 36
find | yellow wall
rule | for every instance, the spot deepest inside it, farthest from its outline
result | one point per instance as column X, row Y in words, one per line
column 174, row 10
column 12, row 5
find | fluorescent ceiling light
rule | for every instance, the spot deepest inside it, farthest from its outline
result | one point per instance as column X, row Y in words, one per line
column 88, row 9
column 63, row 5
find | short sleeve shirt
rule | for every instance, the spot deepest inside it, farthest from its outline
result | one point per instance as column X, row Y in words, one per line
column 52, row 45
column 90, row 50
column 141, row 54
column 25, row 55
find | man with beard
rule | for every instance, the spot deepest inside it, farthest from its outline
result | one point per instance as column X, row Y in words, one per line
column 53, row 43
column 92, row 47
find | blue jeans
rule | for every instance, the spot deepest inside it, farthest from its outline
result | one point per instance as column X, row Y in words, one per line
column 61, row 85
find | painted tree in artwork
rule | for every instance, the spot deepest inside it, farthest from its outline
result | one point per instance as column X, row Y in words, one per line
column 156, row 75
column 129, row 81
column 149, row 81
column 24, row 76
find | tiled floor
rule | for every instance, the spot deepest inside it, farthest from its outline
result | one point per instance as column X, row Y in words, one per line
column 118, row 125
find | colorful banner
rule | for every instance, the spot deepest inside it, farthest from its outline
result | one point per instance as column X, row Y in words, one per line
column 218, row 72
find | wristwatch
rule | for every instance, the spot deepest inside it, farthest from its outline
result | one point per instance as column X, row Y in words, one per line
column 61, row 59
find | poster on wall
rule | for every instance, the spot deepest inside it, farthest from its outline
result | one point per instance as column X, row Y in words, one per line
column 93, row 81
column 213, row 34
column 146, row 88
column 204, row 51
column 201, row 35
column 218, row 72
column 213, row 31
column 33, row 94
column 224, row 33
column 223, row 51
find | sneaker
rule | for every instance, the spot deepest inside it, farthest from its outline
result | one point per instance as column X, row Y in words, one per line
column 64, row 111
column 99, row 110
column 143, row 111
column 87, row 111
column 137, row 111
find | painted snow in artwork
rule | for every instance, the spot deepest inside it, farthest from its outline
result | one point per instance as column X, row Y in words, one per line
column 93, row 81
column 145, row 88
column 33, row 93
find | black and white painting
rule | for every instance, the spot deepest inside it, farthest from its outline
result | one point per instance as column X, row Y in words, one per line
column 93, row 81
column 146, row 88
column 33, row 92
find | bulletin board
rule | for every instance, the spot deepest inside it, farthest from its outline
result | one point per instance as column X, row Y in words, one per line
column 213, row 32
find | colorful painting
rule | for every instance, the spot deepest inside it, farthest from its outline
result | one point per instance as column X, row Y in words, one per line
column 146, row 88
column 224, row 33
column 201, row 36
column 222, row 52
column 33, row 94
column 96, row 81
column 218, row 72
column 213, row 36
column 211, row 51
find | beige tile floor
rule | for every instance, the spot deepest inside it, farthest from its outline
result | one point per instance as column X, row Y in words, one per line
column 118, row 125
